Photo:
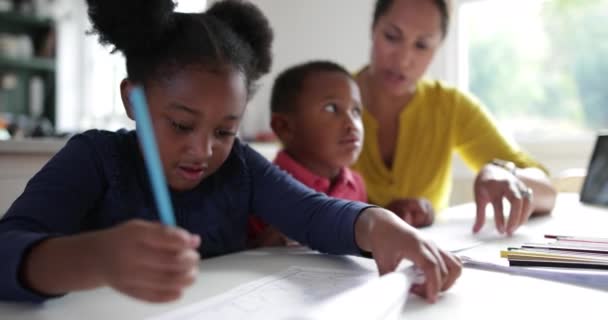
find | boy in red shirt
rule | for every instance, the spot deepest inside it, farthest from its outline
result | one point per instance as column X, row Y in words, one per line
column 316, row 113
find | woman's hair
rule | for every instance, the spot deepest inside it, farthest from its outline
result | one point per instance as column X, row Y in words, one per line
column 288, row 84
column 157, row 42
column 382, row 6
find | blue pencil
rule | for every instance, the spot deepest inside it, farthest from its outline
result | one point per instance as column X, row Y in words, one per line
column 151, row 155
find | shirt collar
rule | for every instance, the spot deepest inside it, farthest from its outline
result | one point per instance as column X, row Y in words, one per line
column 322, row 184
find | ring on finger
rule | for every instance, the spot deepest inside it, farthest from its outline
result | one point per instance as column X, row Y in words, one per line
column 526, row 193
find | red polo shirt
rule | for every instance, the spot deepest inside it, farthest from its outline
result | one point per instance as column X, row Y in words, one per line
column 348, row 185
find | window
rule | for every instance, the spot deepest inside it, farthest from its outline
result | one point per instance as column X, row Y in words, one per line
column 191, row 5
column 89, row 76
column 538, row 65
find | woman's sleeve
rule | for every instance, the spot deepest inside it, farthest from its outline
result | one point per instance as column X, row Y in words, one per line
column 477, row 138
column 53, row 203
column 323, row 223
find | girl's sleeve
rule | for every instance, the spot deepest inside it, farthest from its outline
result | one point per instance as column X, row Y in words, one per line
column 311, row 218
column 477, row 138
column 53, row 203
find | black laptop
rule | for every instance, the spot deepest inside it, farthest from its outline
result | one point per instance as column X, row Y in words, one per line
column 595, row 186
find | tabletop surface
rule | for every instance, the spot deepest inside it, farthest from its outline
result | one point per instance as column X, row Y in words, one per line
column 476, row 295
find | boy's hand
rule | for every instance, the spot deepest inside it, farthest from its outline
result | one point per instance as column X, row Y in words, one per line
column 417, row 212
column 270, row 237
column 391, row 240
column 147, row 260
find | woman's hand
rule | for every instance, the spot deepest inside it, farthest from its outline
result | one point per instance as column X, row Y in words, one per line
column 494, row 183
column 390, row 240
column 417, row 212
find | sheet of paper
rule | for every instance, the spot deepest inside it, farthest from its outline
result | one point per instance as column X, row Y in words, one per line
column 455, row 232
column 275, row 297
column 586, row 278
column 378, row 299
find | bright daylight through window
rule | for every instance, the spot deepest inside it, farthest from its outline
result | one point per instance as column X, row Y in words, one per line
column 538, row 65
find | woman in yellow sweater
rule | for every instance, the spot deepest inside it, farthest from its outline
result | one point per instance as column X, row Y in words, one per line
column 413, row 126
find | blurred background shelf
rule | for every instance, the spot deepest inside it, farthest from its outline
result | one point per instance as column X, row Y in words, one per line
column 27, row 69
column 14, row 22
column 35, row 65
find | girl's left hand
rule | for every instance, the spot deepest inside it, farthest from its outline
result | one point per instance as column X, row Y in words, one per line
column 494, row 183
column 390, row 240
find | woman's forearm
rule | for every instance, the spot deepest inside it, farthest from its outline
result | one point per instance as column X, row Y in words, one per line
column 544, row 192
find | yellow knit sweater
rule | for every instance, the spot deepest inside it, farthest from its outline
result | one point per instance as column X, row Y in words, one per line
column 437, row 121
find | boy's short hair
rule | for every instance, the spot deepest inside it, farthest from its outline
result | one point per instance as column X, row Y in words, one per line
column 288, row 84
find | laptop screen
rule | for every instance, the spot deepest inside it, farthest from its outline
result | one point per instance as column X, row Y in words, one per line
column 595, row 187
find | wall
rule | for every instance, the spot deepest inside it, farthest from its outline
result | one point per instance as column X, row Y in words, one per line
column 19, row 161
column 312, row 29
column 337, row 30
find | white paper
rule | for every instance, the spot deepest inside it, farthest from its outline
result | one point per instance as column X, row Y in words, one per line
column 455, row 233
column 281, row 296
column 379, row 299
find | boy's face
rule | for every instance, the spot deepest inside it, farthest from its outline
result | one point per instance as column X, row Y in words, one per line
column 326, row 132
column 196, row 115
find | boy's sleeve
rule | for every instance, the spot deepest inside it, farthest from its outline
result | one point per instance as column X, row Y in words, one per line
column 311, row 218
column 53, row 203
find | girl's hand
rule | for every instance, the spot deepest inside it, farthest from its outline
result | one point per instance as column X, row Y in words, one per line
column 147, row 260
column 494, row 183
column 417, row 212
column 390, row 240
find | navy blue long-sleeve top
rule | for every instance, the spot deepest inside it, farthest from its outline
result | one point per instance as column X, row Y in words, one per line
column 99, row 180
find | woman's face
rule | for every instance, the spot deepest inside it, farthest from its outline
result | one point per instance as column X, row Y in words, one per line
column 404, row 41
column 195, row 115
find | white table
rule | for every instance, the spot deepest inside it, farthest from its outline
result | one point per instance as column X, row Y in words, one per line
column 476, row 295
